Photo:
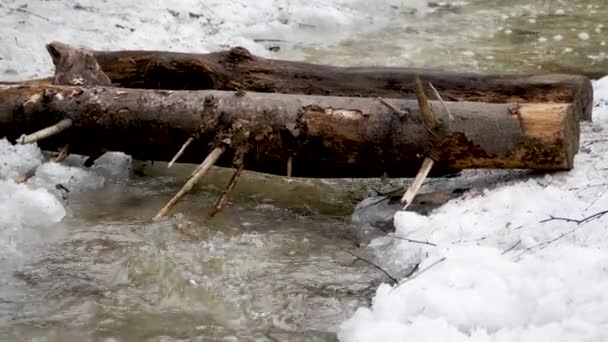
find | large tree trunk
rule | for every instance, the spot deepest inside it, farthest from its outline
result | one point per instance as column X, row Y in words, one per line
column 326, row 136
column 238, row 69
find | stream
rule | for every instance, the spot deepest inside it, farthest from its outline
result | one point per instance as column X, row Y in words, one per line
column 275, row 264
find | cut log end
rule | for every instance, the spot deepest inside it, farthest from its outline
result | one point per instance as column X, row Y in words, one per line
column 552, row 124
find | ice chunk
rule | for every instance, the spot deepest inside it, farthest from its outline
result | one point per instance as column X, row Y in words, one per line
column 114, row 166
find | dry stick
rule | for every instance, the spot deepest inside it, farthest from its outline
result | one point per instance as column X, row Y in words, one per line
column 512, row 247
column 289, row 166
column 399, row 112
column 180, row 152
column 412, row 240
column 198, row 173
column 412, row 191
column 430, row 123
column 231, row 184
column 45, row 132
column 63, row 154
column 438, row 96
column 580, row 223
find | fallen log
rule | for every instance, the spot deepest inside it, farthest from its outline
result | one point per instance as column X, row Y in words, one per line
column 323, row 136
column 238, row 69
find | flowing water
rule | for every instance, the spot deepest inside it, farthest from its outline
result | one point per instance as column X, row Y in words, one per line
column 274, row 264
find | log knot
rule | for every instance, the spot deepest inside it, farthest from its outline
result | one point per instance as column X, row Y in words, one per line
column 238, row 54
column 76, row 67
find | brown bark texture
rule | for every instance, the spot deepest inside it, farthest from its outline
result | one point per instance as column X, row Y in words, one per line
column 326, row 136
column 237, row 68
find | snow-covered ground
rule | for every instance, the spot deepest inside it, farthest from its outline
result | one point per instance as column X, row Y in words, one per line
column 511, row 263
column 502, row 268
column 178, row 25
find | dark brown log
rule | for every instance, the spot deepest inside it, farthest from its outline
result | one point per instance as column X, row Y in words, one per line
column 327, row 136
column 239, row 69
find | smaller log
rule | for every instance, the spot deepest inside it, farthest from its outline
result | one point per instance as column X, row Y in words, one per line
column 237, row 68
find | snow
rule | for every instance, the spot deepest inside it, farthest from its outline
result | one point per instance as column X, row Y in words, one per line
column 40, row 202
column 178, row 25
column 510, row 273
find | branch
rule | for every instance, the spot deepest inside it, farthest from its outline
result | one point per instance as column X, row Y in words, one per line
column 412, row 240
column 581, row 221
column 180, row 152
column 289, row 166
column 512, row 247
column 412, row 277
column 399, row 112
column 393, row 279
column 411, row 192
column 231, row 184
column 198, row 173
column 45, row 132
column 438, row 96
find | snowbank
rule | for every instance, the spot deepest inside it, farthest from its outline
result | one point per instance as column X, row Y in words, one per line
column 511, row 272
column 178, row 25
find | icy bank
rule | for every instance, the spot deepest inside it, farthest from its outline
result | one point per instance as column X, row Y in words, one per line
column 179, row 25
column 517, row 267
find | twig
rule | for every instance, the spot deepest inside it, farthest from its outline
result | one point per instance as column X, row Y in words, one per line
column 289, row 166
column 240, row 165
column 419, row 273
column 412, row 240
column 438, row 96
column 411, row 192
column 198, row 173
column 393, row 279
column 45, row 132
column 399, row 112
column 512, row 247
column 21, row 9
column 428, row 117
column 180, row 152
column 430, row 123
column 63, row 154
column 581, row 221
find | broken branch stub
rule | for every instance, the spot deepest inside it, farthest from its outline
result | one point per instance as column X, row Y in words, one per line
column 45, row 132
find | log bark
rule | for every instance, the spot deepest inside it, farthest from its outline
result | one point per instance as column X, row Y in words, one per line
column 326, row 136
column 238, row 69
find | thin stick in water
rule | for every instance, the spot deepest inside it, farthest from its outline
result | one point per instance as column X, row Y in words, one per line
column 180, row 152
column 289, row 166
column 231, row 184
column 200, row 171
